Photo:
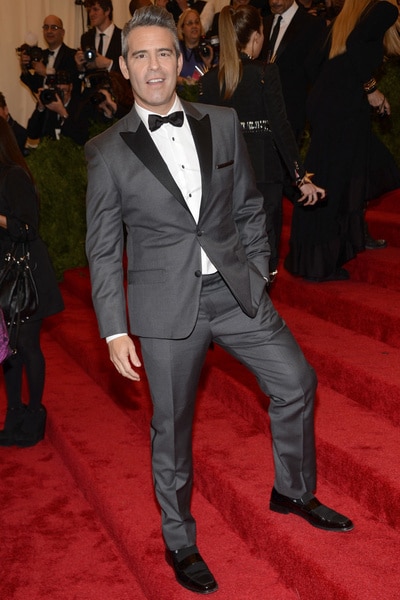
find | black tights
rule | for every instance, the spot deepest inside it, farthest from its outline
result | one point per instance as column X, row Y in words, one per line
column 29, row 356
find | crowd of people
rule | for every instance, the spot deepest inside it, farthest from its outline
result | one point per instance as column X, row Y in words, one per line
column 192, row 196
column 75, row 89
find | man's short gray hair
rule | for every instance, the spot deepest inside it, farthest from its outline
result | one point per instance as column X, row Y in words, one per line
column 150, row 16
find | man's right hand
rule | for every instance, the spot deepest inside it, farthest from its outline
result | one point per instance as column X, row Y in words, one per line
column 123, row 356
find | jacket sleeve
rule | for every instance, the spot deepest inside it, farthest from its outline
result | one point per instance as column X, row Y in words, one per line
column 282, row 132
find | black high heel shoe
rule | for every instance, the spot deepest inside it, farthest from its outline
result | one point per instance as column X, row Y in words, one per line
column 33, row 427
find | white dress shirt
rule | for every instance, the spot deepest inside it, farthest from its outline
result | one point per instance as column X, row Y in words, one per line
column 51, row 60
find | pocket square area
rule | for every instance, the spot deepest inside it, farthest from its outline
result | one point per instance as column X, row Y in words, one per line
column 225, row 164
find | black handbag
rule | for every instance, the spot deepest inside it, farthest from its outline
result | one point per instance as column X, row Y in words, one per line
column 18, row 293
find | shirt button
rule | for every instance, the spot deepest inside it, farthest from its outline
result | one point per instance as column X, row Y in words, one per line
column 197, row 273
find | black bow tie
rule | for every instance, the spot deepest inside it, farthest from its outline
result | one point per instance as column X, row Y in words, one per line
column 175, row 118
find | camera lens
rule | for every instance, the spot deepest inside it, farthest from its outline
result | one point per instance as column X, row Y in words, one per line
column 47, row 96
column 97, row 98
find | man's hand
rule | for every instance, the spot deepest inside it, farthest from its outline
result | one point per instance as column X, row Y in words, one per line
column 123, row 356
column 57, row 106
column 80, row 60
column 108, row 106
column 39, row 67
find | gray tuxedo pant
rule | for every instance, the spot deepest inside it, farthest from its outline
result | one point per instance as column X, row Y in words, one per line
column 173, row 367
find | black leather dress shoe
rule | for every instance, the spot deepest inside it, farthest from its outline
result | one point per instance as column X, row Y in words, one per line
column 311, row 509
column 191, row 571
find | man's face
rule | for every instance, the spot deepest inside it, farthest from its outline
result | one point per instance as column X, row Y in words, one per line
column 53, row 32
column 278, row 7
column 152, row 67
column 98, row 17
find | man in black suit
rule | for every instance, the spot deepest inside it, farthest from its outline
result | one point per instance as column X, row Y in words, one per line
column 103, row 39
column 57, row 57
column 181, row 183
column 298, row 34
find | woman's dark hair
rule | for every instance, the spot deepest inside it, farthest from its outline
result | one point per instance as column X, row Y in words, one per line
column 10, row 154
column 235, row 27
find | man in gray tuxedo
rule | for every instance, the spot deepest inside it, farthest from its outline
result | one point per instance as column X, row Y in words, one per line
column 181, row 183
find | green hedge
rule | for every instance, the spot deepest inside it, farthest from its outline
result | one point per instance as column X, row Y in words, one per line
column 59, row 170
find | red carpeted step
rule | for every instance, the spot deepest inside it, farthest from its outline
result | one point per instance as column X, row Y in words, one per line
column 389, row 202
column 239, row 488
column 108, row 452
column 53, row 545
column 357, row 450
column 367, row 309
column 385, row 225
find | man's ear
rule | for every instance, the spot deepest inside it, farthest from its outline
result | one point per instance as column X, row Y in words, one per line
column 180, row 64
column 123, row 67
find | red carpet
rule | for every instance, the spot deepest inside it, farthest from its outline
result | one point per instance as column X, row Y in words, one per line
column 78, row 516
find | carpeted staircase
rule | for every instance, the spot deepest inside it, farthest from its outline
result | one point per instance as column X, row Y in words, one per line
column 78, row 516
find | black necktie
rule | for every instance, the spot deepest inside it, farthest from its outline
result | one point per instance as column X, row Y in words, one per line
column 100, row 48
column 51, row 52
column 175, row 118
column 273, row 38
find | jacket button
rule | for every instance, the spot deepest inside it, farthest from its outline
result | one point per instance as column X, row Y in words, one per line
column 199, row 232
column 197, row 273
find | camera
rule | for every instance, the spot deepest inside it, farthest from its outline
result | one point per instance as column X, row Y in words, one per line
column 97, row 98
column 90, row 54
column 49, row 95
column 100, row 81
column 203, row 49
column 34, row 52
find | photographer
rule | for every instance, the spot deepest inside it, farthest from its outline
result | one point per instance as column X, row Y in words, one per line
column 58, row 112
column 100, row 46
column 198, row 55
column 36, row 63
column 111, row 98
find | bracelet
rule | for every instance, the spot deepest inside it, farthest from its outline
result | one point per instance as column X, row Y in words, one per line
column 302, row 180
column 370, row 86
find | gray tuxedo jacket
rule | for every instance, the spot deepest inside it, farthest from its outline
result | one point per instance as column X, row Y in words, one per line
column 130, row 184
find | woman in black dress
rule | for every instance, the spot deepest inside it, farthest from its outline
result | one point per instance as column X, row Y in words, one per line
column 348, row 159
column 19, row 221
column 253, row 89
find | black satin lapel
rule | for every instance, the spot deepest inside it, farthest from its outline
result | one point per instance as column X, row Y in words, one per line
column 201, row 130
column 142, row 145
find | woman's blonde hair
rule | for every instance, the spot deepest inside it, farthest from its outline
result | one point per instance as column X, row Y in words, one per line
column 235, row 27
column 182, row 18
column 348, row 18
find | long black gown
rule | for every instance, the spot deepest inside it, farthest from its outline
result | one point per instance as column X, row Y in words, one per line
column 348, row 159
